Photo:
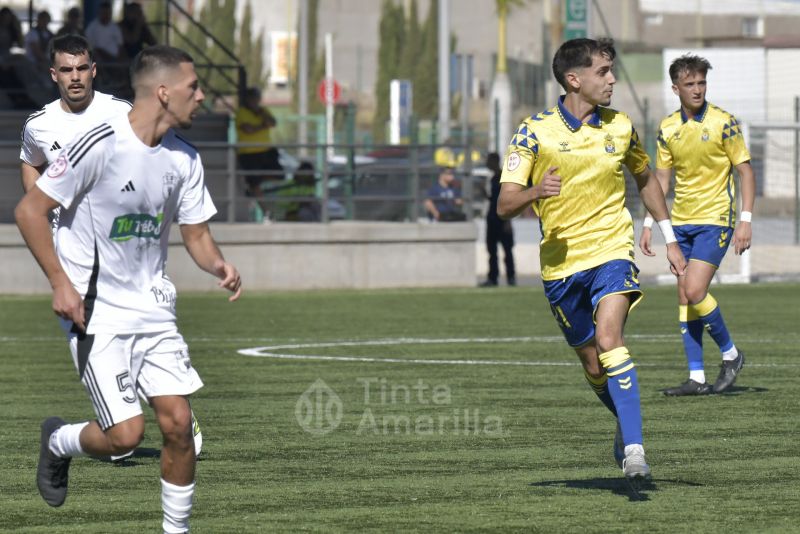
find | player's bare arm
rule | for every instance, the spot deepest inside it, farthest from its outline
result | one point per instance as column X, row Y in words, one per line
column 514, row 198
column 30, row 174
column 653, row 197
column 32, row 219
column 743, row 235
column 663, row 177
column 204, row 251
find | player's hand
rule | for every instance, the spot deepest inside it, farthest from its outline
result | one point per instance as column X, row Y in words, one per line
column 550, row 186
column 230, row 280
column 742, row 237
column 68, row 304
column 677, row 263
column 645, row 240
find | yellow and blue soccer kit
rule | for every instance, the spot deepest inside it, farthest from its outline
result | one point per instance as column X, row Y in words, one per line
column 586, row 250
column 702, row 151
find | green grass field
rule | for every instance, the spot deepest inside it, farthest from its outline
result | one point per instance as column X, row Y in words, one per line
column 382, row 445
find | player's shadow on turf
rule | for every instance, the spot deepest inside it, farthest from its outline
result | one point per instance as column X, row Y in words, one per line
column 739, row 390
column 732, row 391
column 616, row 485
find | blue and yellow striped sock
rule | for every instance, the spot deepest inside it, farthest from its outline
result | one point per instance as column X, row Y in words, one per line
column 708, row 311
column 600, row 388
column 623, row 386
column 692, row 334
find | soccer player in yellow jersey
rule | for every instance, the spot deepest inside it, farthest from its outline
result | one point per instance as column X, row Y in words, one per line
column 703, row 144
column 573, row 155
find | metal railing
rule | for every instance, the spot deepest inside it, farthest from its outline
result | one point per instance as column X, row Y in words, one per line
column 379, row 183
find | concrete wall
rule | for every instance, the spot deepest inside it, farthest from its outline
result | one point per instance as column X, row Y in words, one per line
column 299, row 256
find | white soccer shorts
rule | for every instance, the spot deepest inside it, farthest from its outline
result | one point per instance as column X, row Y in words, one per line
column 112, row 368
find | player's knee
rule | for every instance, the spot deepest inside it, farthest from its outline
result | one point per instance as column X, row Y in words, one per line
column 177, row 428
column 607, row 341
column 695, row 294
column 125, row 436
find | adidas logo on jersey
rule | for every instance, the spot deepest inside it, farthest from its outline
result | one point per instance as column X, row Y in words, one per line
column 55, row 146
column 128, row 187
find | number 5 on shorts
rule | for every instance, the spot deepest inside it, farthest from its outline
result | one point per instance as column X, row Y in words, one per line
column 124, row 384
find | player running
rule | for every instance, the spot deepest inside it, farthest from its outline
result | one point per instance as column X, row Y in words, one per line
column 79, row 107
column 573, row 155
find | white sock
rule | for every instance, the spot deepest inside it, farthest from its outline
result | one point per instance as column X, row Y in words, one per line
column 634, row 448
column 730, row 354
column 698, row 376
column 66, row 441
column 176, row 501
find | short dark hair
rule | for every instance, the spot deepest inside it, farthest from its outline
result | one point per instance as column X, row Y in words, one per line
column 69, row 44
column 688, row 63
column 156, row 57
column 578, row 53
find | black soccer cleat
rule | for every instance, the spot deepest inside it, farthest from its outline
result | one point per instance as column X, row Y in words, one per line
column 52, row 474
column 690, row 387
column 728, row 372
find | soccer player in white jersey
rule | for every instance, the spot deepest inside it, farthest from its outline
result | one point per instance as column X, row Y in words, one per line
column 78, row 108
column 120, row 186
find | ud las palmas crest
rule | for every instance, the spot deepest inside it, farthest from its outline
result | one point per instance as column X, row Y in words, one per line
column 610, row 148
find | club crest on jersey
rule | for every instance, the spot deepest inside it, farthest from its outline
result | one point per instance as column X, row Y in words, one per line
column 170, row 180
column 564, row 146
column 58, row 167
column 610, row 147
column 705, row 136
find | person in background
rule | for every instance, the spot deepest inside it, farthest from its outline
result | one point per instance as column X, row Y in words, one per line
column 254, row 124
column 498, row 231
column 136, row 33
column 73, row 25
column 37, row 41
column 444, row 202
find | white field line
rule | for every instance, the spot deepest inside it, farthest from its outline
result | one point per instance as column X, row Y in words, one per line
column 272, row 351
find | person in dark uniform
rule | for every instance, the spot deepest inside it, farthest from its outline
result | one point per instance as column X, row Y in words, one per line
column 498, row 230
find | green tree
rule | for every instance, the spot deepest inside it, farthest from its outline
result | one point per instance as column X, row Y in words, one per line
column 411, row 44
column 218, row 17
column 251, row 50
column 426, row 79
column 392, row 29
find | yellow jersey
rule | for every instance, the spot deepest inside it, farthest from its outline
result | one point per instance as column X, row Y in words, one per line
column 587, row 224
column 703, row 151
column 262, row 136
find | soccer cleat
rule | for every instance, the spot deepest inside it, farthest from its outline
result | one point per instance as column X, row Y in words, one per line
column 121, row 457
column 488, row 283
column 728, row 372
column 634, row 466
column 619, row 447
column 690, row 387
column 198, row 436
column 52, row 474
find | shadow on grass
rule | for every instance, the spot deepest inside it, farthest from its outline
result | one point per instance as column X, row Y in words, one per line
column 731, row 391
column 616, row 485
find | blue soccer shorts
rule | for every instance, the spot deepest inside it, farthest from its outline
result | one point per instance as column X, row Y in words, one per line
column 704, row 242
column 574, row 299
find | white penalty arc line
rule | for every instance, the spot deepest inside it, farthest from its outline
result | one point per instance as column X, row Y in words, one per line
column 270, row 352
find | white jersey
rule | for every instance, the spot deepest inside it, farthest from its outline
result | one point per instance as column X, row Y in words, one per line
column 48, row 130
column 119, row 198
